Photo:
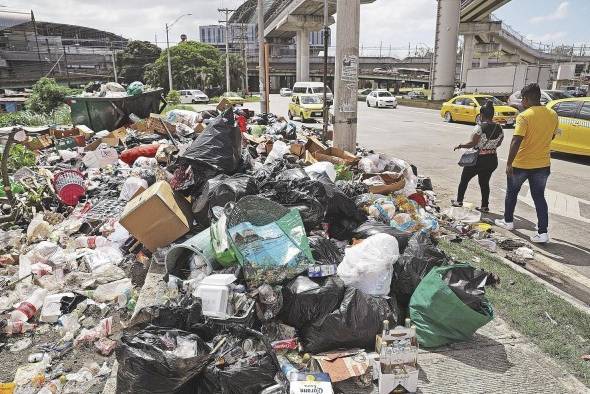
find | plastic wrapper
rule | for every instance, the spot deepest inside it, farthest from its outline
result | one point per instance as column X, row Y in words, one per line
column 440, row 315
column 325, row 251
column 101, row 157
column 157, row 360
column 279, row 149
column 217, row 148
column 372, row 227
column 372, row 164
column 418, row 259
column 181, row 116
column 368, row 266
column 322, row 167
column 354, row 324
column 306, row 300
column 131, row 186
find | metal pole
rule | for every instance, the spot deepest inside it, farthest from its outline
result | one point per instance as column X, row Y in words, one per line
column 66, row 61
column 326, row 105
column 36, row 40
column 226, row 21
column 113, row 54
column 168, row 56
column 261, row 68
column 267, row 74
column 246, row 87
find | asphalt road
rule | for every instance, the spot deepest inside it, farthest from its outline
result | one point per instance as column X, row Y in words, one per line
column 421, row 137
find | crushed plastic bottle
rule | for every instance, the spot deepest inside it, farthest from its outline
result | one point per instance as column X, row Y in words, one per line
column 17, row 327
column 92, row 242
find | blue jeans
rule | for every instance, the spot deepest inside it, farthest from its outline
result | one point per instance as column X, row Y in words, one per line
column 537, row 178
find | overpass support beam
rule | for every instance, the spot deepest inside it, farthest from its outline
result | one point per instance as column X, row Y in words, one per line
column 468, row 51
column 346, row 74
column 483, row 60
column 445, row 49
column 302, row 58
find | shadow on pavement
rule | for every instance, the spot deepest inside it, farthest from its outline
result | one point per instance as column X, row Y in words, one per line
column 484, row 354
column 577, row 159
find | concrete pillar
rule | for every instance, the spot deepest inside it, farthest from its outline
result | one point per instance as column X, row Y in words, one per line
column 445, row 49
column 483, row 60
column 302, row 47
column 468, row 50
column 374, row 85
column 346, row 74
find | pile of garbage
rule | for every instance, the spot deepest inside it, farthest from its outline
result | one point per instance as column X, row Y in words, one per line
column 221, row 252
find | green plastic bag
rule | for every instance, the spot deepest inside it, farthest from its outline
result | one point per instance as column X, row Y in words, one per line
column 135, row 88
column 439, row 315
column 222, row 251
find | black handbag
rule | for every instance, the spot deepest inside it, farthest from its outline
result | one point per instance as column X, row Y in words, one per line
column 469, row 158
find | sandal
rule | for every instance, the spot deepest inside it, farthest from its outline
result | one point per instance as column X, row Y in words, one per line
column 456, row 203
column 483, row 209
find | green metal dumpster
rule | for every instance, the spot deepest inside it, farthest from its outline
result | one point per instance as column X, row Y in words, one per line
column 109, row 113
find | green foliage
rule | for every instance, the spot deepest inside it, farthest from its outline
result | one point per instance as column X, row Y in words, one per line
column 132, row 62
column 19, row 157
column 236, row 70
column 169, row 108
column 173, row 97
column 47, row 96
column 60, row 115
column 194, row 65
column 343, row 173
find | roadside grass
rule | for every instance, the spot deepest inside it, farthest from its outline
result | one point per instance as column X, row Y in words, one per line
column 170, row 107
column 555, row 326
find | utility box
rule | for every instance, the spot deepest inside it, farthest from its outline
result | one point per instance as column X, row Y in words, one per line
column 505, row 80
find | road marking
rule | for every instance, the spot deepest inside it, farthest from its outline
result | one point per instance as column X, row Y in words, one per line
column 445, row 125
column 559, row 204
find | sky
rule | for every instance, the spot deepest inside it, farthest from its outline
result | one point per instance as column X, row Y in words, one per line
column 384, row 23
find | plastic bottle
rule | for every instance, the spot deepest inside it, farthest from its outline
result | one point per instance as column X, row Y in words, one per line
column 92, row 242
column 112, row 291
column 17, row 327
column 29, row 308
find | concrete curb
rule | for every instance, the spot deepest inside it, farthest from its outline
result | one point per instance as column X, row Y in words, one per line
column 420, row 103
column 580, row 305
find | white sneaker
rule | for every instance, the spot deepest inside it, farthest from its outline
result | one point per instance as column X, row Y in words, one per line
column 505, row 225
column 540, row 238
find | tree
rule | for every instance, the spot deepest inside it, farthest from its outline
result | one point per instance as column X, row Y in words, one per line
column 236, row 71
column 173, row 97
column 47, row 95
column 132, row 61
column 194, row 65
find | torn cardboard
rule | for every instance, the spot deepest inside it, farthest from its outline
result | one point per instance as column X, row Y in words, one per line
column 335, row 156
column 343, row 365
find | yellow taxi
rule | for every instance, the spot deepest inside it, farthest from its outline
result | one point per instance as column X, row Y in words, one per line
column 574, row 125
column 306, row 106
column 465, row 108
column 233, row 98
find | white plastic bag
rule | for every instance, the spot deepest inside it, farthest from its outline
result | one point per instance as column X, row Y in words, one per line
column 368, row 266
column 101, row 157
column 372, row 164
column 322, row 167
column 131, row 186
column 279, row 148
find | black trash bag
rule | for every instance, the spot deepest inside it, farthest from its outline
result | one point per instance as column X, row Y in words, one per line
column 352, row 189
column 372, row 227
column 306, row 300
column 147, row 364
column 468, row 283
column 186, row 315
column 354, row 324
column 218, row 191
column 250, row 375
column 218, row 147
column 324, row 250
column 420, row 256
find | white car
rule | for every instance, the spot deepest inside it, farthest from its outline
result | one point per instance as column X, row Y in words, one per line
column 381, row 99
column 285, row 92
column 193, row 96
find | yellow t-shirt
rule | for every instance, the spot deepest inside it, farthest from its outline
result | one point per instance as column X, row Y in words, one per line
column 536, row 125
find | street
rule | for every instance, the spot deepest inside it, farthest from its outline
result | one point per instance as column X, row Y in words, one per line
column 421, row 136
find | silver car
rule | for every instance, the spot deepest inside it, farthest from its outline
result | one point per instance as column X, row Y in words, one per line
column 515, row 99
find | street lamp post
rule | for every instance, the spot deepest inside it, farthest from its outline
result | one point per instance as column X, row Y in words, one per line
column 168, row 26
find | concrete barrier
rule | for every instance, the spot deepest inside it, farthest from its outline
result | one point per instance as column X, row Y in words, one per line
column 420, row 103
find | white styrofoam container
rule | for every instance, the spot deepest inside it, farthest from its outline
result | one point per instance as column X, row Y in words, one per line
column 214, row 293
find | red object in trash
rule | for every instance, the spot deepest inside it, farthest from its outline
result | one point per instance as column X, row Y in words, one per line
column 69, row 186
column 419, row 198
column 130, row 155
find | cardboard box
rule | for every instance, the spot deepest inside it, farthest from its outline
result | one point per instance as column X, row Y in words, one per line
column 223, row 105
column 112, row 139
column 59, row 133
column 199, row 127
column 406, row 377
column 314, row 382
column 335, row 156
column 157, row 124
column 158, row 216
column 40, row 142
column 297, row 148
column 86, row 131
column 390, row 182
column 313, row 145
